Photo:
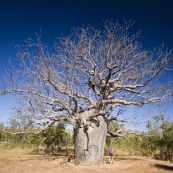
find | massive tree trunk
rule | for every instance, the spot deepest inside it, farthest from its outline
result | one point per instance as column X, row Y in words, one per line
column 90, row 141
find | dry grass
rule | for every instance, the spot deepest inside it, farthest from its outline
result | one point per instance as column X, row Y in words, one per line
column 22, row 161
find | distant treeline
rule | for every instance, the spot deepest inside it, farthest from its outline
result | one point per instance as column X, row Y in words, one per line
column 158, row 145
column 55, row 139
column 157, row 142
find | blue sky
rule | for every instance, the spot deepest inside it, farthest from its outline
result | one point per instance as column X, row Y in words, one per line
column 21, row 19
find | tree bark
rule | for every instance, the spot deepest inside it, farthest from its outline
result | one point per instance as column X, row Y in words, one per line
column 90, row 141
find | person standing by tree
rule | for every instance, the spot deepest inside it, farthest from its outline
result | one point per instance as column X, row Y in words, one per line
column 110, row 151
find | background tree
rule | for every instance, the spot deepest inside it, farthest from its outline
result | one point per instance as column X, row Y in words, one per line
column 2, row 135
column 164, row 140
column 84, row 78
column 56, row 138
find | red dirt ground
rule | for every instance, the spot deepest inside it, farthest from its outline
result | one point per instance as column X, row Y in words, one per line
column 26, row 163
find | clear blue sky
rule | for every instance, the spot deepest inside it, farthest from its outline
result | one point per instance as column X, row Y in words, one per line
column 20, row 19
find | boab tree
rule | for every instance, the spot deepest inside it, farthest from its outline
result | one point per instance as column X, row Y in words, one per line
column 84, row 78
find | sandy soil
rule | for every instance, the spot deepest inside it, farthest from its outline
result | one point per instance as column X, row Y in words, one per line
column 25, row 163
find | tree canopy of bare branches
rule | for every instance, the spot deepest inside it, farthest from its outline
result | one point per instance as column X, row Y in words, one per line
column 87, row 75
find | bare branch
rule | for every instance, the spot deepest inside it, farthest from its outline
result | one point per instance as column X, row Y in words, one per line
column 87, row 75
column 110, row 134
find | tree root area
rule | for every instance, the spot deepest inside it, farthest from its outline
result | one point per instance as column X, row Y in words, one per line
column 59, row 163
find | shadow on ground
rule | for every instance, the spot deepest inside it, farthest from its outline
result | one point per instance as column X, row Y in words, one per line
column 43, row 157
column 127, row 158
column 166, row 167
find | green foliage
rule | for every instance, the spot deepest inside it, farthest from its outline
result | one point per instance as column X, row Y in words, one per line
column 115, row 126
column 129, row 144
column 2, row 135
column 159, row 145
column 55, row 138
column 163, row 139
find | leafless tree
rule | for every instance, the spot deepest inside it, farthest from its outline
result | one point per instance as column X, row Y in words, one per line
column 85, row 77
